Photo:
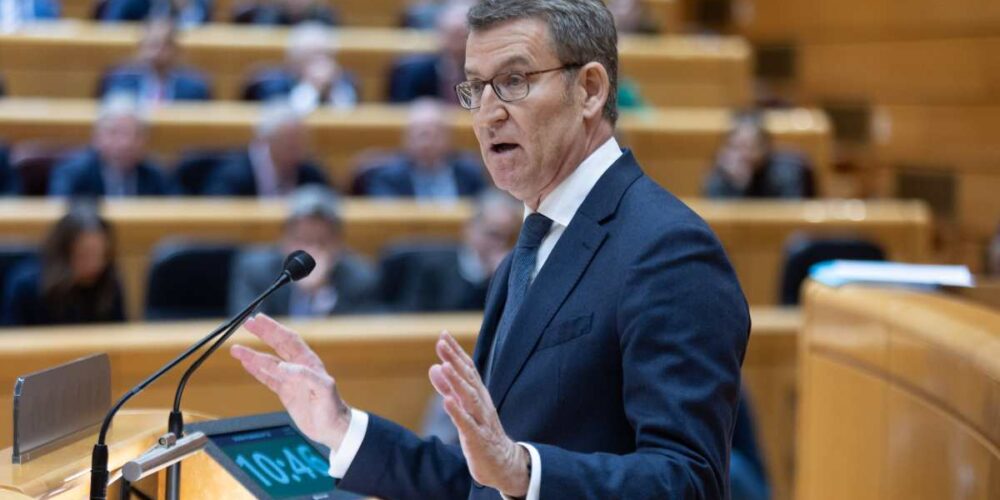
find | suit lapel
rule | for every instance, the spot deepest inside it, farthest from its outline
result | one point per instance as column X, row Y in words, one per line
column 496, row 298
column 559, row 276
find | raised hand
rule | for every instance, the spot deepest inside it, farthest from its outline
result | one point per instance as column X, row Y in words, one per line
column 300, row 380
column 494, row 459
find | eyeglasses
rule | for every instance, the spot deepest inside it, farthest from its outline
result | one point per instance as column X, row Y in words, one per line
column 509, row 87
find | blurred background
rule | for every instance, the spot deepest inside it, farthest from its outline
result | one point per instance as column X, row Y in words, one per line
column 159, row 157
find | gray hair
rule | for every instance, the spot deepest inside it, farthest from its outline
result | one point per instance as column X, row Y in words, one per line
column 582, row 31
column 310, row 36
column 121, row 103
column 493, row 199
column 314, row 200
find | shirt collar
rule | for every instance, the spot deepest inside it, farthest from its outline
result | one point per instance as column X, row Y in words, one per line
column 563, row 202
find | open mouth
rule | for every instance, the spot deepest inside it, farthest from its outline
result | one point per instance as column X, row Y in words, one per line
column 503, row 147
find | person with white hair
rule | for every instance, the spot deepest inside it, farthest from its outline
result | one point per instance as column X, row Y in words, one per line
column 311, row 77
column 429, row 167
column 275, row 163
column 117, row 162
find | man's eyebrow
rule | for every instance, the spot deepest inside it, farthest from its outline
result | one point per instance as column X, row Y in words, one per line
column 510, row 61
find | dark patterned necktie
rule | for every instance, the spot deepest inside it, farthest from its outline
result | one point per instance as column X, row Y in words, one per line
column 535, row 227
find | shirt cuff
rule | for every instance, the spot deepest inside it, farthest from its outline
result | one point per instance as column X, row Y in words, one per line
column 535, row 481
column 340, row 459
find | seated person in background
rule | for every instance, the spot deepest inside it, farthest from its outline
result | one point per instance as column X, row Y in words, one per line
column 423, row 14
column 631, row 18
column 155, row 75
column 116, row 164
column 457, row 281
column 17, row 12
column 434, row 75
column 274, row 164
column 429, row 168
column 76, row 280
column 747, row 166
column 341, row 283
column 186, row 13
column 310, row 77
column 285, row 12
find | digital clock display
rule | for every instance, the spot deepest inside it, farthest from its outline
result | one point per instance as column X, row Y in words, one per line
column 279, row 460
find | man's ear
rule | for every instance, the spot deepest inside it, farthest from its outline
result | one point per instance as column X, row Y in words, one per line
column 595, row 84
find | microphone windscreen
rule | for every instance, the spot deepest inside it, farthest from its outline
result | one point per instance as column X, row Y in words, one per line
column 299, row 264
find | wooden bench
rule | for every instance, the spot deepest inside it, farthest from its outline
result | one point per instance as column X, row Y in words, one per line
column 676, row 147
column 66, row 59
column 753, row 233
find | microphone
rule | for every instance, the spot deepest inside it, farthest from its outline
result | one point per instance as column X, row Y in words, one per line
column 296, row 266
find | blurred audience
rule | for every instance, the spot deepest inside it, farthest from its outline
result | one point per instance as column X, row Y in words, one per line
column 341, row 283
column 116, row 163
column 8, row 178
column 429, row 167
column 424, row 14
column 457, row 279
column 285, row 12
column 274, row 164
column 185, row 13
column 632, row 17
column 310, row 77
column 993, row 258
column 435, row 75
column 14, row 13
column 75, row 280
column 748, row 166
column 155, row 75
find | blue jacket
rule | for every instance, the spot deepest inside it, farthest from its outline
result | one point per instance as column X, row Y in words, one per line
column 198, row 12
column 624, row 369
column 394, row 179
column 183, row 84
column 8, row 179
column 236, row 178
column 277, row 82
column 413, row 77
column 81, row 176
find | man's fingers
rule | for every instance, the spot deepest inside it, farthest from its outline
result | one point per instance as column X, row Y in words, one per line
column 446, row 350
column 440, row 381
column 467, row 394
column 463, row 421
column 262, row 367
column 285, row 342
column 457, row 349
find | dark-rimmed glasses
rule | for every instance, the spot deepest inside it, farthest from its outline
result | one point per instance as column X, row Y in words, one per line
column 509, row 86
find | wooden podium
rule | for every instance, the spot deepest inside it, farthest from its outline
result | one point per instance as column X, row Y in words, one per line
column 65, row 473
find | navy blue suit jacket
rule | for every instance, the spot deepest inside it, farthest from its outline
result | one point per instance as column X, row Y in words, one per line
column 198, row 12
column 277, row 82
column 394, row 179
column 413, row 77
column 623, row 368
column 183, row 84
column 81, row 176
column 235, row 177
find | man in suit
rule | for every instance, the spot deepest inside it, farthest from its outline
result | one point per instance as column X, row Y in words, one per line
column 429, row 168
column 434, row 75
column 310, row 78
column 116, row 163
column 456, row 278
column 274, row 164
column 155, row 75
column 186, row 13
column 608, row 363
column 341, row 283
column 285, row 13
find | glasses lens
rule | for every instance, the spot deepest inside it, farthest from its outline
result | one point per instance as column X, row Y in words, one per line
column 469, row 94
column 512, row 86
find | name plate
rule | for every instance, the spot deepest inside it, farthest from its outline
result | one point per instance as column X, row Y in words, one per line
column 57, row 405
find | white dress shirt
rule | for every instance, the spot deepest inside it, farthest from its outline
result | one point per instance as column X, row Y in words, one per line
column 561, row 206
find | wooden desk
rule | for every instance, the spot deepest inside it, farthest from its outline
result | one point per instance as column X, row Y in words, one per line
column 385, row 13
column 900, row 396
column 380, row 364
column 676, row 147
column 753, row 233
column 65, row 59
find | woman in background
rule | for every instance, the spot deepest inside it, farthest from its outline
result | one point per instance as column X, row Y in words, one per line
column 75, row 280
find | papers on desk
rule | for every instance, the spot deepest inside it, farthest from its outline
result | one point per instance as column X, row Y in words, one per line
column 841, row 272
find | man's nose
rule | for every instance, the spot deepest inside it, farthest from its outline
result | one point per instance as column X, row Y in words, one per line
column 492, row 109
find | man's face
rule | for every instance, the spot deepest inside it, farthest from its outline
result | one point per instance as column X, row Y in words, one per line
column 312, row 234
column 427, row 138
column 747, row 145
column 288, row 146
column 159, row 48
column 527, row 143
column 121, row 141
